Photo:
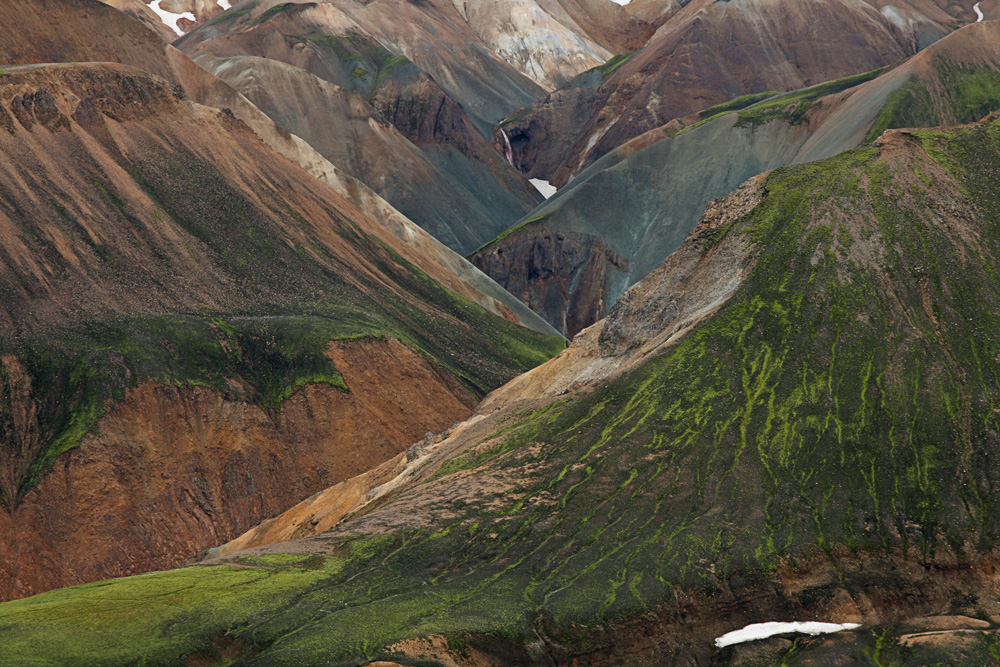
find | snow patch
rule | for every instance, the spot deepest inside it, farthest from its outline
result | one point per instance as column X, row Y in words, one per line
column 225, row 5
column 979, row 12
column 169, row 18
column 764, row 630
column 546, row 188
column 621, row 2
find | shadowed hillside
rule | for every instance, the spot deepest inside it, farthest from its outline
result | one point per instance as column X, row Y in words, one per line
column 574, row 255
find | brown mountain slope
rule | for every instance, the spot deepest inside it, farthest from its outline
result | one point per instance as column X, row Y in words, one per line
column 706, row 54
column 86, row 30
column 191, row 321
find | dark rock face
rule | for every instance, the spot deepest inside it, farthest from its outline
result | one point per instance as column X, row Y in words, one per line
column 564, row 277
column 425, row 114
column 543, row 133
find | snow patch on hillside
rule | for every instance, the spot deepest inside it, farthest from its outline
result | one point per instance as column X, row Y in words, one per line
column 979, row 12
column 546, row 188
column 764, row 630
column 169, row 18
column 225, row 4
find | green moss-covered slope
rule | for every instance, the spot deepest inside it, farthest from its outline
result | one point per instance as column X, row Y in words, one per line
column 958, row 94
column 842, row 403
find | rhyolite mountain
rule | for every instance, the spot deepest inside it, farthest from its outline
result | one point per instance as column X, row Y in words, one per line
column 373, row 113
column 711, row 51
column 195, row 332
column 219, row 342
column 91, row 31
column 403, row 96
column 793, row 418
column 573, row 256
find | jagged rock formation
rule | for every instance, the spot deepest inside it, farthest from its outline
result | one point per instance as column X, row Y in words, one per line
column 643, row 198
column 793, row 419
column 170, row 286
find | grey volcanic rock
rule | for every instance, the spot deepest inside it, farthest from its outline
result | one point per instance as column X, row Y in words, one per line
column 646, row 196
column 563, row 276
column 461, row 191
column 372, row 112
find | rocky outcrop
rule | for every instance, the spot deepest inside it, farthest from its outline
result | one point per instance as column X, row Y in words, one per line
column 565, row 278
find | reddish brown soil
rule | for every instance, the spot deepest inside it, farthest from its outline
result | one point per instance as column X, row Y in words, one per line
column 172, row 472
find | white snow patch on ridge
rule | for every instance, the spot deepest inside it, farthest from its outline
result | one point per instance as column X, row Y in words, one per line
column 979, row 12
column 544, row 187
column 765, row 630
column 225, row 4
column 169, row 18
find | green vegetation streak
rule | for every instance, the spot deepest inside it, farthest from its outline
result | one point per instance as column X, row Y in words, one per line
column 847, row 397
